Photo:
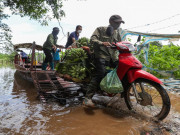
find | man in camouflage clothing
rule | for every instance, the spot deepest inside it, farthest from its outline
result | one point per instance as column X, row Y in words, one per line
column 49, row 46
column 104, row 55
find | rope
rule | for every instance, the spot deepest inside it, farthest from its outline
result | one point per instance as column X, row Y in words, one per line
column 61, row 27
column 63, row 37
column 56, row 16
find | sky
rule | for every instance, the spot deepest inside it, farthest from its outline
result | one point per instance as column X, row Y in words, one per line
column 94, row 13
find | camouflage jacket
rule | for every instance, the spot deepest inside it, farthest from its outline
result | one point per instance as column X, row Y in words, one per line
column 50, row 41
column 102, row 51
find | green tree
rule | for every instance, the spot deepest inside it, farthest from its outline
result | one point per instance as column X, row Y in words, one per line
column 163, row 58
column 5, row 35
column 39, row 10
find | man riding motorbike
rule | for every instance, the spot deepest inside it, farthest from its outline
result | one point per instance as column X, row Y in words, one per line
column 104, row 55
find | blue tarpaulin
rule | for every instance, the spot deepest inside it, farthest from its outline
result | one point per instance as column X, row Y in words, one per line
column 150, row 37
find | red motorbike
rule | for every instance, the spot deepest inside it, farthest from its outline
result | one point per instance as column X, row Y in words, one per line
column 143, row 92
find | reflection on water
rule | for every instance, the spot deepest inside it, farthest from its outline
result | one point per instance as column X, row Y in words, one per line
column 22, row 113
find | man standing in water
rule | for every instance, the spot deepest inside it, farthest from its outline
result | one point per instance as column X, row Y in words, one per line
column 104, row 55
column 49, row 46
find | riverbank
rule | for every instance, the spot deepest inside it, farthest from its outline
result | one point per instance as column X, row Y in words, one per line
column 7, row 57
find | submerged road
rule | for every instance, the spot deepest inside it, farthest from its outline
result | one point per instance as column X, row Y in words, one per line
column 21, row 112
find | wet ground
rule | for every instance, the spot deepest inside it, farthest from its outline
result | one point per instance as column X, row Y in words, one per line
column 21, row 112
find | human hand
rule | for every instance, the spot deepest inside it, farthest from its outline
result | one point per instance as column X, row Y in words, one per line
column 106, row 44
column 54, row 47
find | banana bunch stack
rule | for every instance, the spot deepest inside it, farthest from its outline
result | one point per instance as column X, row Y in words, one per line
column 75, row 54
column 62, row 68
column 83, row 42
column 78, row 71
column 74, row 64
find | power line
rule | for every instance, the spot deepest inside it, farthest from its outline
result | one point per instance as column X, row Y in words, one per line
column 155, row 22
column 164, row 27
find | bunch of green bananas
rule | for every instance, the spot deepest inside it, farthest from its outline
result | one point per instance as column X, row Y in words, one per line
column 83, row 42
column 78, row 71
column 62, row 68
column 75, row 54
column 74, row 63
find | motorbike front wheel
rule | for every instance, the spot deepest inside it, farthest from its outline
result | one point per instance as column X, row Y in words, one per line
column 152, row 99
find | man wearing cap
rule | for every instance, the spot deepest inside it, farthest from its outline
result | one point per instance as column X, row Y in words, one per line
column 104, row 55
column 49, row 46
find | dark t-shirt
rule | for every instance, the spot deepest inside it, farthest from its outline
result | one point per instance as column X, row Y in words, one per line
column 72, row 35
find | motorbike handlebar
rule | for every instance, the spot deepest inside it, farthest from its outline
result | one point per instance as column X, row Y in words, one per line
column 113, row 46
column 124, row 47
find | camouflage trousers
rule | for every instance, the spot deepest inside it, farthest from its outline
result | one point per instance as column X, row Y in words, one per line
column 100, row 73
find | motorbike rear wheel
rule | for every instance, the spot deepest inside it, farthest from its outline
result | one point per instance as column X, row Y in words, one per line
column 154, row 100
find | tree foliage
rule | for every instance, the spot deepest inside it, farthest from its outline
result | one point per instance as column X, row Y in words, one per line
column 7, row 57
column 5, row 35
column 163, row 58
column 36, row 9
column 40, row 10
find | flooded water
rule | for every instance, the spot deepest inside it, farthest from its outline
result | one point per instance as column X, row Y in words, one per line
column 21, row 112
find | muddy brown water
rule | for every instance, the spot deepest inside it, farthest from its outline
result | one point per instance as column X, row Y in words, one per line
column 21, row 112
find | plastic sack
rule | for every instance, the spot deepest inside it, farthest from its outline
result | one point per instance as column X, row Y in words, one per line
column 111, row 83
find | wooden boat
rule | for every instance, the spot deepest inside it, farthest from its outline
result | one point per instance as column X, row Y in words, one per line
column 33, row 64
column 25, row 68
column 47, row 83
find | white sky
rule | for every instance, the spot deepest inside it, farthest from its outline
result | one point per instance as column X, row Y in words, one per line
column 94, row 13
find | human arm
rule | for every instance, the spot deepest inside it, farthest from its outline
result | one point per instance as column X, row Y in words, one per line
column 58, row 50
column 73, row 39
column 51, row 41
column 97, row 38
column 21, row 54
column 54, row 47
column 118, row 36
